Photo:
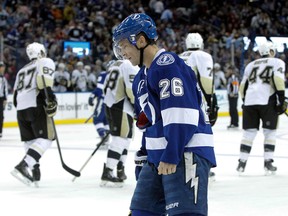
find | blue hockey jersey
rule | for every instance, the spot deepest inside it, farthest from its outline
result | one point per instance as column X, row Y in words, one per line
column 171, row 99
column 99, row 90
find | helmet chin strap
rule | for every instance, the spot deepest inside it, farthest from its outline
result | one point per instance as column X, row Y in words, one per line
column 141, row 54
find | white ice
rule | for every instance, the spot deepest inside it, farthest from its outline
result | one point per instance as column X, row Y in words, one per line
column 253, row 193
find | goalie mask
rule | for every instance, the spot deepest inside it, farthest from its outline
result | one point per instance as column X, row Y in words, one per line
column 35, row 51
column 194, row 41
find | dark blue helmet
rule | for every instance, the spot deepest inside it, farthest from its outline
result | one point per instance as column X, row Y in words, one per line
column 130, row 27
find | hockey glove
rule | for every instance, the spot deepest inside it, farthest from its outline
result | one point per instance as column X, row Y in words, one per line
column 51, row 108
column 282, row 102
column 91, row 101
column 63, row 82
column 142, row 121
column 281, row 108
column 213, row 114
column 140, row 159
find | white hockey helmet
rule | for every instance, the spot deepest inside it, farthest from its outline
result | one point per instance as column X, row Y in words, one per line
column 87, row 68
column 265, row 48
column 35, row 50
column 79, row 64
column 217, row 65
column 194, row 41
column 61, row 65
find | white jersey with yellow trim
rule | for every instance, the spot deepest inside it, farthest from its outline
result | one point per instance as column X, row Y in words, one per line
column 202, row 64
column 258, row 76
column 29, row 81
column 118, row 85
column 80, row 79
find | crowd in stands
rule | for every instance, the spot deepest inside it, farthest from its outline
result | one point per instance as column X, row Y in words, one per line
column 221, row 23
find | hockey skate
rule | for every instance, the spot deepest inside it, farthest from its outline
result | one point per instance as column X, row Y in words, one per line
column 121, row 172
column 269, row 168
column 241, row 166
column 36, row 174
column 109, row 180
column 21, row 173
column 211, row 176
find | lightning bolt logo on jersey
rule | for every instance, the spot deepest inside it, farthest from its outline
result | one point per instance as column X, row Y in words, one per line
column 171, row 101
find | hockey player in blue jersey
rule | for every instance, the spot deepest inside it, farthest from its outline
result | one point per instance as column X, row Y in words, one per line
column 99, row 118
column 178, row 135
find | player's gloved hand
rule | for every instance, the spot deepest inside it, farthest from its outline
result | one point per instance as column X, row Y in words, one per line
column 51, row 108
column 140, row 159
column 281, row 108
column 63, row 82
column 142, row 121
column 91, row 101
column 213, row 114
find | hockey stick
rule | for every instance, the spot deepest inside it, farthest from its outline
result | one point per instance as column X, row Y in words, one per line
column 212, row 90
column 94, row 114
column 68, row 169
column 89, row 118
column 95, row 150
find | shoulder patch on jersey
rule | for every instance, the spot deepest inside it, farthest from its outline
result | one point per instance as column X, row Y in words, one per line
column 118, row 63
column 165, row 59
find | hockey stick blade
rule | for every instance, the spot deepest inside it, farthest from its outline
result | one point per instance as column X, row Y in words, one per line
column 95, row 150
column 71, row 171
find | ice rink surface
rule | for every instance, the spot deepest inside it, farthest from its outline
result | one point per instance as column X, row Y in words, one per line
column 252, row 193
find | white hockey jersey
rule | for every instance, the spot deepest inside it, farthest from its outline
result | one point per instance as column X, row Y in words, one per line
column 118, row 85
column 61, row 77
column 80, row 79
column 258, row 76
column 202, row 64
column 29, row 81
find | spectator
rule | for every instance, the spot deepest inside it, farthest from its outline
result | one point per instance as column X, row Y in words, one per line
column 219, row 77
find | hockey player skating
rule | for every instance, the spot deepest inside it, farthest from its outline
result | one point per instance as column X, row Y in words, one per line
column 99, row 118
column 34, row 111
column 178, row 136
column 202, row 64
column 263, row 92
column 119, row 101
column 79, row 78
column 61, row 79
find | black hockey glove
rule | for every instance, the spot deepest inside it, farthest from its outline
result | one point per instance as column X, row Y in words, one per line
column 213, row 114
column 281, row 108
column 91, row 101
column 51, row 108
column 63, row 82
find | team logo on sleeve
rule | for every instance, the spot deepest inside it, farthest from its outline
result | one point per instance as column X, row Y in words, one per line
column 165, row 59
